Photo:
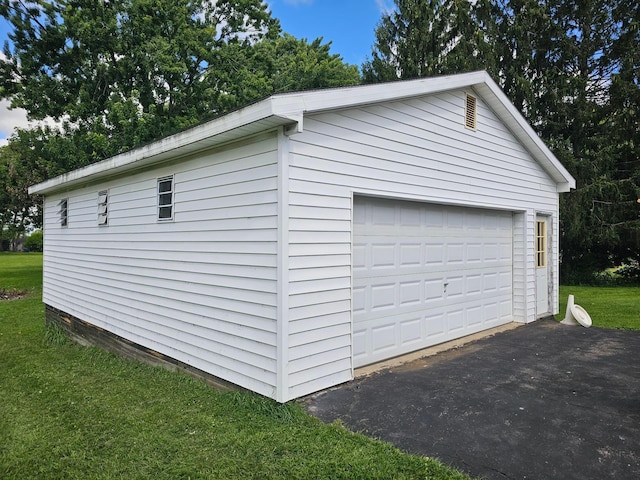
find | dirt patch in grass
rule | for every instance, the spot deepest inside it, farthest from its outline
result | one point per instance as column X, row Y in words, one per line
column 12, row 294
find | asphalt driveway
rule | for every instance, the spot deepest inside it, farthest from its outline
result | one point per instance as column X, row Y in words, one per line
column 542, row 401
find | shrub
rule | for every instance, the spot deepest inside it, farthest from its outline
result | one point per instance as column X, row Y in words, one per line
column 630, row 271
column 33, row 243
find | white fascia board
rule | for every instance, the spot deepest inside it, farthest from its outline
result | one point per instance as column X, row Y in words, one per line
column 248, row 120
column 315, row 101
column 513, row 119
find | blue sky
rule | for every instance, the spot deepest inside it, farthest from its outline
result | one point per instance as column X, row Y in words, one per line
column 348, row 24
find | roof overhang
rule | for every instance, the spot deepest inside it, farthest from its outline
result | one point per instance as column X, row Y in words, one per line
column 288, row 110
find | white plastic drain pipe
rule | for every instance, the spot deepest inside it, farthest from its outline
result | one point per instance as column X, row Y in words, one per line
column 576, row 315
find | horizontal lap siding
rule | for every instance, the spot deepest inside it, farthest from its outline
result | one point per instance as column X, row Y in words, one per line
column 201, row 288
column 417, row 149
column 319, row 290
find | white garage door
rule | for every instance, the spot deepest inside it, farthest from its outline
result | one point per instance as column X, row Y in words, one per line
column 425, row 274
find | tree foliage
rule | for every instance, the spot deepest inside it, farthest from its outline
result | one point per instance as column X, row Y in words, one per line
column 121, row 72
column 422, row 38
column 572, row 67
column 19, row 211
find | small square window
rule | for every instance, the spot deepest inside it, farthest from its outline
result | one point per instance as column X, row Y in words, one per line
column 165, row 198
column 64, row 212
column 103, row 207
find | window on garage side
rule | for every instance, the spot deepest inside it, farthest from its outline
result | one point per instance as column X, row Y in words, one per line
column 103, row 207
column 165, row 198
column 63, row 211
column 541, row 244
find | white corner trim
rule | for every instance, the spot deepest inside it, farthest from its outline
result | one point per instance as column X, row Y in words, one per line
column 282, row 288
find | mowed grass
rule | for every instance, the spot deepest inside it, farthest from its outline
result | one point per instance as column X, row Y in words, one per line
column 72, row 412
column 608, row 307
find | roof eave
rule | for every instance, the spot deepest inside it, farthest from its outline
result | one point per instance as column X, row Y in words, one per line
column 250, row 120
column 289, row 109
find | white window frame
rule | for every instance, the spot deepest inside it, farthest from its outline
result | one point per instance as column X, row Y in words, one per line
column 165, row 199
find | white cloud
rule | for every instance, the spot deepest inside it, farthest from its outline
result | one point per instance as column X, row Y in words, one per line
column 10, row 119
column 385, row 6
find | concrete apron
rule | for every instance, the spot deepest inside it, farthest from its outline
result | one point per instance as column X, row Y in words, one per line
column 542, row 401
column 409, row 358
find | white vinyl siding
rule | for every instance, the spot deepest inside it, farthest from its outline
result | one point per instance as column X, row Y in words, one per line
column 417, row 150
column 201, row 289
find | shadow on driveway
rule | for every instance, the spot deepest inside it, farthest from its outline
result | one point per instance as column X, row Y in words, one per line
column 543, row 401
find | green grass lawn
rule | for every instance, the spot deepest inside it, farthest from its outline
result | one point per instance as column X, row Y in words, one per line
column 608, row 307
column 70, row 412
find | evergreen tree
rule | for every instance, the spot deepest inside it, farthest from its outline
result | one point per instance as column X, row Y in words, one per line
column 422, row 38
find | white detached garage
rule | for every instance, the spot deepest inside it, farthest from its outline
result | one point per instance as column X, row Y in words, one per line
column 284, row 244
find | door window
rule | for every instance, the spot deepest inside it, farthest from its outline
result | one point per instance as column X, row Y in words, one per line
column 541, row 244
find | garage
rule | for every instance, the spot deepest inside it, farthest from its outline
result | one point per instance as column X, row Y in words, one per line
column 425, row 274
column 283, row 245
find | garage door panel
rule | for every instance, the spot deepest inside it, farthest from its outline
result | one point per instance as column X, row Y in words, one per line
column 475, row 315
column 411, row 331
column 435, row 327
column 382, row 340
column 389, row 311
column 455, row 287
column 455, row 322
column 424, row 274
column 396, row 294
column 380, row 252
column 383, row 297
column 410, row 254
column 506, row 311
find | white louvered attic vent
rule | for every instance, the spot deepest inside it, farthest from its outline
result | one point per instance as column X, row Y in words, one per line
column 64, row 212
column 103, row 207
column 470, row 112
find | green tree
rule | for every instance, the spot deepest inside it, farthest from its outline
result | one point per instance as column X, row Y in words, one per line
column 19, row 211
column 288, row 64
column 523, row 47
column 423, row 38
column 34, row 242
column 582, row 126
column 125, row 71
